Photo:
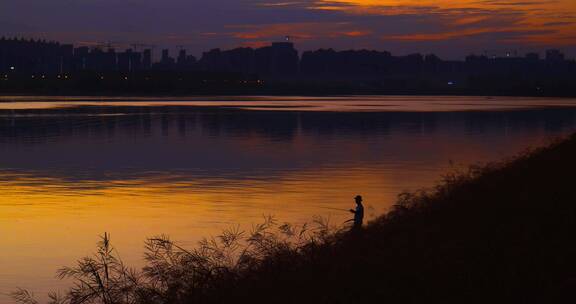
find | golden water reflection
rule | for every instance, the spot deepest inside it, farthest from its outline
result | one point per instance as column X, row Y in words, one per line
column 136, row 170
column 45, row 223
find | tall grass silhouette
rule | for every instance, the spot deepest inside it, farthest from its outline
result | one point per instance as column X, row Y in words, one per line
column 174, row 274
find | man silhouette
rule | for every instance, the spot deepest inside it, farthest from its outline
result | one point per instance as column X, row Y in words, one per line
column 358, row 212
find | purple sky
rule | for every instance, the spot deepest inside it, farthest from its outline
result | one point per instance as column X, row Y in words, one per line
column 451, row 29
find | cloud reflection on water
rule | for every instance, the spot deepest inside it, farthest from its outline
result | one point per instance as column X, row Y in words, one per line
column 69, row 173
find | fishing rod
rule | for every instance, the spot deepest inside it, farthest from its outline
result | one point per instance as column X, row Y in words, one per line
column 337, row 209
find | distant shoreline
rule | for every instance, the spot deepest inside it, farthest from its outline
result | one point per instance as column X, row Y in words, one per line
column 135, row 94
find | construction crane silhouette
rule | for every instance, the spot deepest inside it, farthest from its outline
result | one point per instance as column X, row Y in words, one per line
column 505, row 53
column 138, row 46
column 105, row 45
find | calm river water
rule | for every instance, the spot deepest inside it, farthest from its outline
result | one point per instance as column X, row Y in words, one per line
column 74, row 168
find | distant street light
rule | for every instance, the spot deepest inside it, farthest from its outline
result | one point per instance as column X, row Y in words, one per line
column 12, row 68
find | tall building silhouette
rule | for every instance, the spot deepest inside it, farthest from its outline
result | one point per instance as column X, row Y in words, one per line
column 554, row 55
column 147, row 59
column 277, row 61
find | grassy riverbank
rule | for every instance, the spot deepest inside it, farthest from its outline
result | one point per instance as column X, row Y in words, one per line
column 498, row 233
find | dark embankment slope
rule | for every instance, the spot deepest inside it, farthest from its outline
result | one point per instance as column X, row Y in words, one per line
column 500, row 233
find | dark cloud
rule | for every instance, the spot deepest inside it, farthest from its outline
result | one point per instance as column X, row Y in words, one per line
column 204, row 24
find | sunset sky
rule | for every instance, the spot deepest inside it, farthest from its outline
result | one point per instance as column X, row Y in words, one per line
column 449, row 28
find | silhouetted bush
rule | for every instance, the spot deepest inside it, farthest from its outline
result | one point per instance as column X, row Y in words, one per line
column 174, row 274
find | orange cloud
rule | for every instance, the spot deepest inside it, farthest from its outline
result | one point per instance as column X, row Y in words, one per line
column 255, row 44
column 356, row 33
column 301, row 31
column 534, row 21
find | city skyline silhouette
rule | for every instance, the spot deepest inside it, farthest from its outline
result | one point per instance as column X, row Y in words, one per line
column 28, row 65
